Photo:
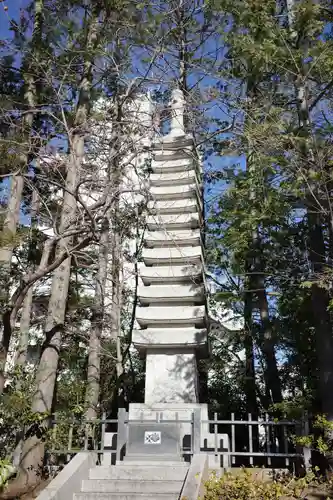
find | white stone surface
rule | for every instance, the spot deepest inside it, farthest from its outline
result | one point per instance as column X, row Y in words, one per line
column 169, row 337
column 168, row 142
column 186, row 205
column 185, row 237
column 173, row 221
column 68, row 482
column 119, row 489
column 197, row 477
column 170, row 377
column 171, row 316
column 172, row 255
column 174, row 155
column 170, row 411
column 177, row 113
column 173, row 179
column 141, row 472
column 169, row 151
column 171, row 293
column 171, row 165
column 170, row 274
column 174, row 192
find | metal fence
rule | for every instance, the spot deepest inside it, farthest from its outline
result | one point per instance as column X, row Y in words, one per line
column 239, row 441
column 263, row 441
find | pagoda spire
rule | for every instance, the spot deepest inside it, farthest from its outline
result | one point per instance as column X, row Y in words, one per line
column 177, row 113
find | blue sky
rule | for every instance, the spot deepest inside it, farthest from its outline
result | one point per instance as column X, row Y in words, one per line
column 211, row 109
column 13, row 11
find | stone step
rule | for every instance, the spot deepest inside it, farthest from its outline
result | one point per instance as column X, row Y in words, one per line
column 171, row 274
column 173, row 221
column 126, row 496
column 174, row 315
column 140, row 472
column 187, row 205
column 131, row 485
column 176, row 237
column 153, row 463
column 172, row 255
column 173, row 179
column 173, row 192
column 193, row 293
column 152, row 457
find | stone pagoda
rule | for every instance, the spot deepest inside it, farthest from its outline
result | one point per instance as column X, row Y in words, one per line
column 172, row 309
column 172, row 301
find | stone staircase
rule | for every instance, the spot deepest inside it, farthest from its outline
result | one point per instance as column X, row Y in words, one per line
column 134, row 480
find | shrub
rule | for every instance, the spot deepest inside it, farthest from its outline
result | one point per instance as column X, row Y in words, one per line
column 248, row 486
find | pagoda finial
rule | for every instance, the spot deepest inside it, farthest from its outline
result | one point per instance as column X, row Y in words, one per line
column 177, row 113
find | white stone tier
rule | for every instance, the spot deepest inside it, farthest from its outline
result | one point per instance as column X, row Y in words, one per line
column 168, row 151
column 192, row 293
column 173, row 411
column 187, row 205
column 170, row 142
column 171, row 165
column 178, row 154
column 186, row 237
column 171, row 274
column 172, row 255
column 170, row 337
column 173, row 192
column 173, row 221
column 171, row 316
column 173, row 179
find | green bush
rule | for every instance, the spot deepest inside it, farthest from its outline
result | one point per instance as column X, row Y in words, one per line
column 248, row 486
column 6, row 470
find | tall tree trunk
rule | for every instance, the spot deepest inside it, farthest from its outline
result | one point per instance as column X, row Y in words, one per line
column 267, row 344
column 116, row 274
column 254, row 261
column 33, row 448
column 94, row 372
column 6, row 253
column 116, row 239
column 267, row 341
column 22, row 348
column 250, row 382
column 320, row 303
column 13, row 210
column 256, row 283
column 317, row 251
column 9, row 229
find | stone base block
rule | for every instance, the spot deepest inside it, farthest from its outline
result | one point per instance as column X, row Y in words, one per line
column 171, row 376
column 183, row 412
column 147, row 439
